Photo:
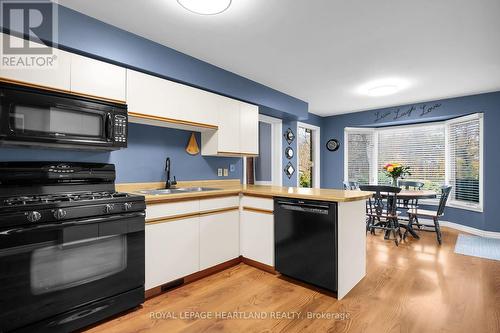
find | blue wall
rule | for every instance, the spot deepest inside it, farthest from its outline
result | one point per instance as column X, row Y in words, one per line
column 333, row 162
column 83, row 34
column 144, row 159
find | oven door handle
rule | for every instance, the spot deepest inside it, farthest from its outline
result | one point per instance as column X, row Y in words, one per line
column 57, row 226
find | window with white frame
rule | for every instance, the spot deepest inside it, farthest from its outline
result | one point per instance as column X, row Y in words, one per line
column 420, row 147
column 438, row 153
column 465, row 146
column 360, row 156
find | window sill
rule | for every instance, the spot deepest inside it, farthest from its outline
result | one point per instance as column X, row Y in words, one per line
column 464, row 206
column 431, row 202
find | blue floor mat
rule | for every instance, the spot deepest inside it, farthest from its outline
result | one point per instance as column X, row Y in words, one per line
column 476, row 246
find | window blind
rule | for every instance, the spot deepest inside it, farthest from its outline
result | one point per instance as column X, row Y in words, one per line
column 360, row 156
column 422, row 148
column 464, row 161
column 440, row 153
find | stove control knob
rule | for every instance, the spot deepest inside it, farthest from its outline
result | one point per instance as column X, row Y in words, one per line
column 59, row 214
column 108, row 208
column 34, row 216
column 127, row 206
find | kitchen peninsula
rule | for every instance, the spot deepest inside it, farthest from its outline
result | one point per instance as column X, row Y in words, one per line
column 190, row 234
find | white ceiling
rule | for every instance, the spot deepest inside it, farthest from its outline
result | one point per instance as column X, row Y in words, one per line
column 322, row 51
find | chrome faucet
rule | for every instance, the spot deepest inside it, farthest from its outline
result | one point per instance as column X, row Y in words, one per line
column 169, row 183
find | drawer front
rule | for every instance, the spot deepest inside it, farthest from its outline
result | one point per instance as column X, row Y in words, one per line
column 256, row 202
column 219, row 203
column 163, row 210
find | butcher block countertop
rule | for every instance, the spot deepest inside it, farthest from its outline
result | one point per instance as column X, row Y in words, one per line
column 233, row 187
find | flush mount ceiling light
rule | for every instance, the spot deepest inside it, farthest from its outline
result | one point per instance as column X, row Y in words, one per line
column 383, row 87
column 383, row 90
column 205, row 7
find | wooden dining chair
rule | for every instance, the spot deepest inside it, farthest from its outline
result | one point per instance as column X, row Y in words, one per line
column 381, row 210
column 405, row 204
column 434, row 215
column 410, row 184
column 351, row 186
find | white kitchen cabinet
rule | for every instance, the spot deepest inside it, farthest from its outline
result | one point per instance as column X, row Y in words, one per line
column 238, row 132
column 219, row 238
column 57, row 77
column 168, row 101
column 229, row 126
column 207, row 205
column 172, row 250
column 257, row 236
column 160, row 211
column 97, row 78
column 147, row 95
column 249, row 129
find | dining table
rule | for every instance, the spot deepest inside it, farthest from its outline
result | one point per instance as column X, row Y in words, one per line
column 413, row 195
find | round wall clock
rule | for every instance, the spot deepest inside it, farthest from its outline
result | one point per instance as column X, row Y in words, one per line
column 332, row 145
column 289, row 153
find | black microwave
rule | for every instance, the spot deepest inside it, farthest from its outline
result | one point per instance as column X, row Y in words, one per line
column 31, row 116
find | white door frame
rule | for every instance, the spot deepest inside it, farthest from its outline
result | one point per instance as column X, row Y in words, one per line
column 276, row 152
column 316, row 138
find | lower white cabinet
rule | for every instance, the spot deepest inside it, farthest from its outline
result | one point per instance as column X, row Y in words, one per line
column 172, row 250
column 219, row 238
column 257, row 236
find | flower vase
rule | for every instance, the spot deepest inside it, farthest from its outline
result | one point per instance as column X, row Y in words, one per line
column 395, row 182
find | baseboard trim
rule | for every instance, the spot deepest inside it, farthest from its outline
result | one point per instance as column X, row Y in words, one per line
column 156, row 291
column 259, row 265
column 464, row 228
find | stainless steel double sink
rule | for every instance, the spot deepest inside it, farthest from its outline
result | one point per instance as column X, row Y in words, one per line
column 178, row 190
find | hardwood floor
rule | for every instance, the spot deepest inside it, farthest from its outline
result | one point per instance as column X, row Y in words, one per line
column 416, row 287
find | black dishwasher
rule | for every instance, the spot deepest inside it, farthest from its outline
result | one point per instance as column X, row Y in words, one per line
column 305, row 241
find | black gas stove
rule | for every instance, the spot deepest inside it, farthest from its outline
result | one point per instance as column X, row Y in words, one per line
column 46, row 195
column 71, row 247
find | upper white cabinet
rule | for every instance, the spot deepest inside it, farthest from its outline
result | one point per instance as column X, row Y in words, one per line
column 229, row 126
column 73, row 73
column 57, row 77
column 238, row 132
column 249, row 129
column 97, row 78
column 155, row 98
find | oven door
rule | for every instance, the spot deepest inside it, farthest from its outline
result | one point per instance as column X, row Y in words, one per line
column 51, row 269
column 37, row 118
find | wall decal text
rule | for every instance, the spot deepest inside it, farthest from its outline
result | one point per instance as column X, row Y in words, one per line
column 406, row 113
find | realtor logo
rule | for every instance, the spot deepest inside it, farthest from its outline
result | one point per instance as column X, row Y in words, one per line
column 37, row 22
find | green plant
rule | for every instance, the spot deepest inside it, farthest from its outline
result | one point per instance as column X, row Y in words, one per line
column 304, row 180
